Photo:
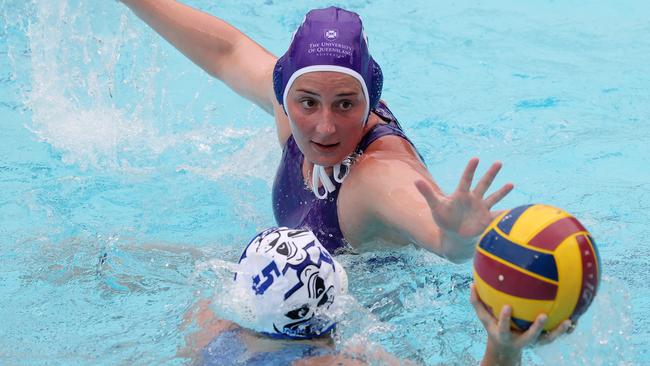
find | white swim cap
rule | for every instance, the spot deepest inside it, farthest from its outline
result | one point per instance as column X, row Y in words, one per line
column 293, row 282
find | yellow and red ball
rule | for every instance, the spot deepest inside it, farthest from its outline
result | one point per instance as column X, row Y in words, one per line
column 537, row 259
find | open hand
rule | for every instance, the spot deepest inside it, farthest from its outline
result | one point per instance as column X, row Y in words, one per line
column 464, row 214
column 504, row 344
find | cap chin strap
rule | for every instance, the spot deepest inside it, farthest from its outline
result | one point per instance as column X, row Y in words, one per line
column 319, row 175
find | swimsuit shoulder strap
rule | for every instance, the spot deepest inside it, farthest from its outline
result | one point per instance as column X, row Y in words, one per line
column 392, row 127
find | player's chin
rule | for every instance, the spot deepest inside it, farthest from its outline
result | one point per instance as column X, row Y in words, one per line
column 326, row 155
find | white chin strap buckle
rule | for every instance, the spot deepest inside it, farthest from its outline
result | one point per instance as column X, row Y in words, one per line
column 319, row 175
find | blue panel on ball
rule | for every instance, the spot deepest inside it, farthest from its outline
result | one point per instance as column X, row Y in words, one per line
column 521, row 324
column 510, row 218
column 531, row 260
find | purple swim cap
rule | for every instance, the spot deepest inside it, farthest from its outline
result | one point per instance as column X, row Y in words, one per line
column 330, row 39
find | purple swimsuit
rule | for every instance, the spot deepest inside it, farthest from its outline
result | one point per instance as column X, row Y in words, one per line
column 296, row 206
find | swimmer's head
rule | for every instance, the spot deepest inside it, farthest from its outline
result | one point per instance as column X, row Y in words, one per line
column 330, row 39
column 292, row 282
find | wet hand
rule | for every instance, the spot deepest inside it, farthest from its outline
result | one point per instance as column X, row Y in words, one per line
column 465, row 213
column 506, row 343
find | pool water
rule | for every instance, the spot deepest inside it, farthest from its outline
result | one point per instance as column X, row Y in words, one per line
column 125, row 171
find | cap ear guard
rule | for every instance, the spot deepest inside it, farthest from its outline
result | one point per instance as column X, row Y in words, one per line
column 377, row 84
column 277, row 82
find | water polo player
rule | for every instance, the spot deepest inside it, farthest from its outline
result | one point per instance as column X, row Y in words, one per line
column 347, row 172
column 289, row 289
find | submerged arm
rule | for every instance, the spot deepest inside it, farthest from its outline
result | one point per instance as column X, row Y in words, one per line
column 214, row 45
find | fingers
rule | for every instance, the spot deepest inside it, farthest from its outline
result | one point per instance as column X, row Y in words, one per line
column 549, row 337
column 572, row 327
column 427, row 192
column 468, row 175
column 487, row 179
column 484, row 184
column 497, row 196
column 495, row 214
column 504, row 321
column 532, row 334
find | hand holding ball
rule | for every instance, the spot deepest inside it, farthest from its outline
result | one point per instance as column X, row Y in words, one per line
column 537, row 259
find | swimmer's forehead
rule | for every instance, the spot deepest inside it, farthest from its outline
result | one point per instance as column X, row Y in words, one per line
column 326, row 82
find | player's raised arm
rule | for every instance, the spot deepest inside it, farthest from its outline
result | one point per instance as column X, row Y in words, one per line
column 214, row 45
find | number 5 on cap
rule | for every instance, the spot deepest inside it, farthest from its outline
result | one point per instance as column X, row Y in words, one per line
column 267, row 274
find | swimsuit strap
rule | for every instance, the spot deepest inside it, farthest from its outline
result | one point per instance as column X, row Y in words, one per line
column 392, row 127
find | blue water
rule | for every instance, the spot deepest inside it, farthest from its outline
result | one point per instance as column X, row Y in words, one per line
column 124, row 170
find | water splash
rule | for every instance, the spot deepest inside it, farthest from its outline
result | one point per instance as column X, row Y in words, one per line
column 72, row 72
column 101, row 102
column 603, row 335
